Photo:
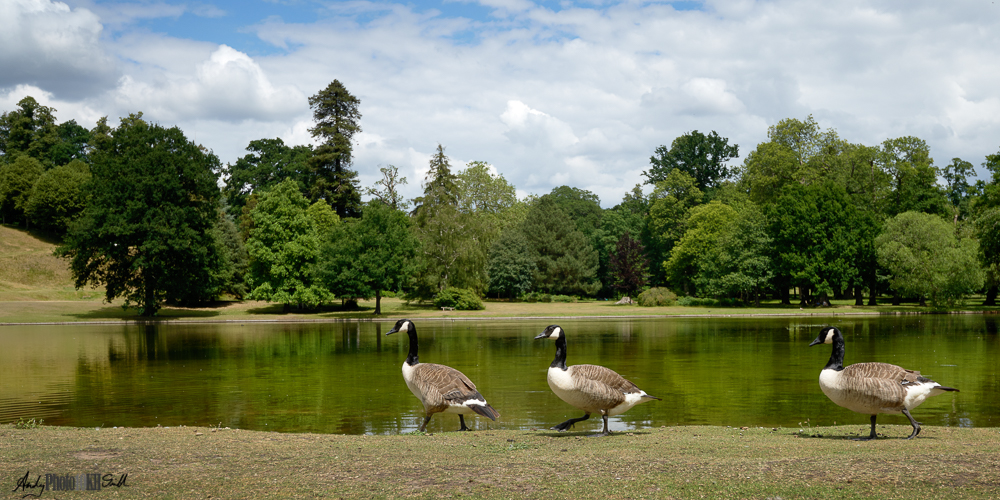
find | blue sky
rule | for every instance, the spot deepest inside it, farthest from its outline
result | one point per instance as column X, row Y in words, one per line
column 549, row 93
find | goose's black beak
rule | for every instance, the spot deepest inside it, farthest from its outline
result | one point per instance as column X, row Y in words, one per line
column 543, row 335
column 390, row 332
column 817, row 341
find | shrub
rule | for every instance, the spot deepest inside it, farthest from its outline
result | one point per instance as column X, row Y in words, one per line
column 462, row 299
column 657, row 296
column 536, row 297
column 563, row 298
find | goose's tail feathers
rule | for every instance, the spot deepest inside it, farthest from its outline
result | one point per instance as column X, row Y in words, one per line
column 486, row 410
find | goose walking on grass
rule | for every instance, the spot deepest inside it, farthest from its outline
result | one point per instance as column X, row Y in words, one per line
column 440, row 388
column 591, row 388
column 873, row 388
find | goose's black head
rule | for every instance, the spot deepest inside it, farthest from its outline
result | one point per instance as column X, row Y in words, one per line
column 402, row 325
column 551, row 332
column 826, row 336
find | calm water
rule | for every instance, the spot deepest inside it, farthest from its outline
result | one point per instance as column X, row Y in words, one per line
column 345, row 377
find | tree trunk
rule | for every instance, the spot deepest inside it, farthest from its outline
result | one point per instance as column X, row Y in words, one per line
column 786, row 299
column 991, row 296
column 378, row 302
column 859, row 299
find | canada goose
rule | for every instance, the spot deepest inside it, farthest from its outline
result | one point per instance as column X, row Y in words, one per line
column 873, row 388
column 440, row 388
column 590, row 388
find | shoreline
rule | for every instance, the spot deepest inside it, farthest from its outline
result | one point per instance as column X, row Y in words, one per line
column 386, row 317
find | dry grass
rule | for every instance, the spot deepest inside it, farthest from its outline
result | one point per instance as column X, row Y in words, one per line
column 674, row 462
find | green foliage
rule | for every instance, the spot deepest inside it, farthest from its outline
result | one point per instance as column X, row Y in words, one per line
column 267, row 163
column 767, row 169
column 510, row 266
column 822, row 241
column 926, row 259
column 566, row 262
column 615, row 223
column 987, row 231
column 701, row 156
column 914, row 177
column 656, row 296
column 536, row 297
column 323, row 217
column 146, row 233
column 582, row 207
column 16, row 180
column 329, row 175
column 739, row 264
column 57, row 197
column 74, row 144
column 363, row 258
column 671, row 200
column 462, row 299
column 235, row 262
column 23, row 423
column 29, row 130
column 705, row 226
column 452, row 255
column 282, row 247
column 958, row 190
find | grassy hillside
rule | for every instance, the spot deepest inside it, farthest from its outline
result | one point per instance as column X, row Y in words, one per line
column 29, row 271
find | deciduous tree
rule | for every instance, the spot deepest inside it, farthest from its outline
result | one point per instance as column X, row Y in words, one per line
column 927, row 260
column 282, row 247
column 701, row 156
column 363, row 258
column 57, row 197
column 267, row 163
column 146, row 232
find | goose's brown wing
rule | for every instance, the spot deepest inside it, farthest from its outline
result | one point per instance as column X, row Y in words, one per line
column 605, row 386
column 443, row 385
column 880, row 384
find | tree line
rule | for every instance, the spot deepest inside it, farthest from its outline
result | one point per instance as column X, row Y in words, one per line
column 155, row 218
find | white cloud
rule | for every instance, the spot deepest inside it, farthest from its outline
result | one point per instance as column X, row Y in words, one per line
column 49, row 45
column 228, row 86
column 580, row 95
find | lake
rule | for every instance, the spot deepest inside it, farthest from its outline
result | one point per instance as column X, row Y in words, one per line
column 344, row 377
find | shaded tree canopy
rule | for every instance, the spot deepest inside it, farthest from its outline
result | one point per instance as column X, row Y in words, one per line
column 511, row 267
column 701, row 156
column 29, row 130
column 146, row 233
column 365, row 257
column 267, row 163
column 566, row 262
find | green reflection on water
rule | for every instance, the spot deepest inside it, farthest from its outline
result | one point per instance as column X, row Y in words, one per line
column 345, row 377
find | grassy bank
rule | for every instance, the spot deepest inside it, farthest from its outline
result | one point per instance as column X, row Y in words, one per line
column 674, row 462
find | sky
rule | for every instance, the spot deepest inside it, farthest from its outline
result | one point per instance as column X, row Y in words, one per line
column 550, row 93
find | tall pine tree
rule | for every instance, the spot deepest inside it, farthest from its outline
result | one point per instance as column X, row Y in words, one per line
column 330, row 177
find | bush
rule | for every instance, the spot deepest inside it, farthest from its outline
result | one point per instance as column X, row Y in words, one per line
column 657, row 296
column 536, row 297
column 462, row 299
column 563, row 298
